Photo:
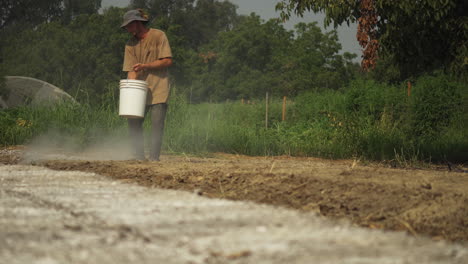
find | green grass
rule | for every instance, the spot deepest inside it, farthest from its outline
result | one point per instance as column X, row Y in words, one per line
column 366, row 120
column 73, row 124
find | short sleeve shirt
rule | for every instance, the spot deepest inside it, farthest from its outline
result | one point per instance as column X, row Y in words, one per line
column 153, row 47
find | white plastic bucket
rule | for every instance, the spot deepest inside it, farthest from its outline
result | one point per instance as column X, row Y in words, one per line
column 132, row 98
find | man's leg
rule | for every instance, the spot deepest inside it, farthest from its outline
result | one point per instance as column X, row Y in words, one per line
column 135, row 129
column 158, row 116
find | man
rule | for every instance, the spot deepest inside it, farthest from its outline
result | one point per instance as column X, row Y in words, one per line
column 147, row 57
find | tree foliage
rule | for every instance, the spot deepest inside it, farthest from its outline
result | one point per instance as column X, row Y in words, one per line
column 258, row 57
column 218, row 54
column 35, row 12
column 24, row 28
column 32, row 12
column 197, row 22
column 81, row 57
column 418, row 36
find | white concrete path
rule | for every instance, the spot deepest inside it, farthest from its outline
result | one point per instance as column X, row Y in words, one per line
column 49, row 217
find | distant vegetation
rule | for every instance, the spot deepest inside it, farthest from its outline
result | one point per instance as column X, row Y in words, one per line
column 334, row 109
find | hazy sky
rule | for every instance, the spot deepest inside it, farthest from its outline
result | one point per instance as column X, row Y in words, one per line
column 266, row 10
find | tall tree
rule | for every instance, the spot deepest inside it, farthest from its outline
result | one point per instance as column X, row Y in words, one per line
column 30, row 12
column 34, row 12
column 418, row 36
column 197, row 22
column 257, row 57
column 315, row 61
column 73, row 8
column 83, row 57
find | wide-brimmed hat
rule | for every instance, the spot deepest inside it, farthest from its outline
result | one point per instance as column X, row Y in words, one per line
column 133, row 15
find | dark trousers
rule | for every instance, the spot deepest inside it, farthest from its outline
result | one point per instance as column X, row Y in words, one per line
column 135, row 125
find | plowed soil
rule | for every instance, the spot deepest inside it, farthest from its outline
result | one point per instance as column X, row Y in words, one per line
column 423, row 202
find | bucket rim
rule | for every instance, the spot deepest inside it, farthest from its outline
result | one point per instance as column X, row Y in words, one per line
column 132, row 81
column 134, row 87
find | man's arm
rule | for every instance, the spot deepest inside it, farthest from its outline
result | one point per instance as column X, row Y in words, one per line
column 155, row 65
column 131, row 75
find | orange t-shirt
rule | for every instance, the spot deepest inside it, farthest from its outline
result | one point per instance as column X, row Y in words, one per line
column 153, row 47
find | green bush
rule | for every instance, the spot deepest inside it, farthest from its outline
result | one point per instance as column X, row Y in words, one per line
column 435, row 103
column 437, row 124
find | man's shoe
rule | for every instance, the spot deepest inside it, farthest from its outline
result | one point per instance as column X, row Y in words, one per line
column 154, row 158
column 138, row 157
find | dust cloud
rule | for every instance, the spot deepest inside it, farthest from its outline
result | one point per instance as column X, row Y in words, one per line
column 57, row 145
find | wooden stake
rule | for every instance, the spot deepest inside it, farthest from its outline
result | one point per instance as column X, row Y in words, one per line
column 266, row 111
column 283, row 117
column 409, row 88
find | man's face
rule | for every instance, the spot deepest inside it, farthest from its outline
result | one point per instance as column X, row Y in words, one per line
column 132, row 28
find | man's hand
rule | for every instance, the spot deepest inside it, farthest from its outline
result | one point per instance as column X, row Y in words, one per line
column 139, row 67
column 155, row 65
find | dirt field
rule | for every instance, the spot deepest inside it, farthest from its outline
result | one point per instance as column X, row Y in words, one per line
column 428, row 202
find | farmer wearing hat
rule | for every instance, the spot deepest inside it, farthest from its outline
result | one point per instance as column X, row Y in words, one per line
column 147, row 57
